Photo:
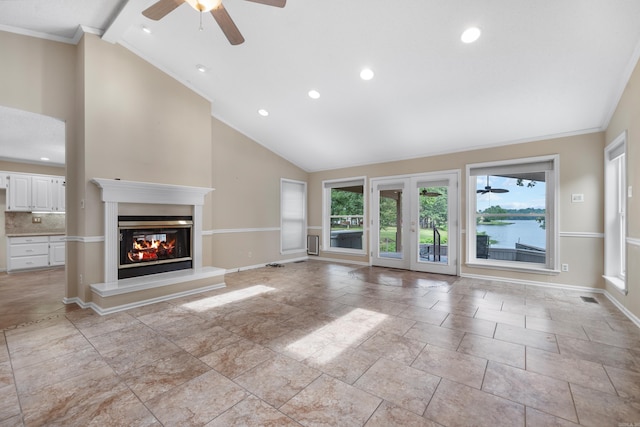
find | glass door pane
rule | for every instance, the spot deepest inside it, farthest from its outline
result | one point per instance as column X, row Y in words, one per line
column 433, row 224
column 390, row 213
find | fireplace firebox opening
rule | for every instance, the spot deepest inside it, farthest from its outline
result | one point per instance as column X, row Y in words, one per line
column 154, row 244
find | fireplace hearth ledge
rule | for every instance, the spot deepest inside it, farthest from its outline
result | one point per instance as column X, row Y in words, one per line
column 142, row 283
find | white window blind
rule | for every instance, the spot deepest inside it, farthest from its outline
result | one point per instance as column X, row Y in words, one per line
column 293, row 216
column 615, row 232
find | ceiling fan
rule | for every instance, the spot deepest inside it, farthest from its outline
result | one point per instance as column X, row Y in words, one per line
column 427, row 193
column 488, row 189
column 162, row 8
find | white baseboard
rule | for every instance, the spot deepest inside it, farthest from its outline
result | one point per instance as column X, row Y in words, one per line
column 102, row 311
column 253, row 267
column 635, row 319
column 532, row 283
column 604, row 292
column 343, row 261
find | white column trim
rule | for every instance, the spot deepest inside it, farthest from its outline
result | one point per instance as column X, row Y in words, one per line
column 197, row 238
column 111, row 242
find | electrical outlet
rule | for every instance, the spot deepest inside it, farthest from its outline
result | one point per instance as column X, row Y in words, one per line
column 565, row 267
column 36, row 220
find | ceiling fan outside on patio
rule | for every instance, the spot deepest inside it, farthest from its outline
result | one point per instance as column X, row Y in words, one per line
column 489, row 189
column 162, row 8
column 427, row 193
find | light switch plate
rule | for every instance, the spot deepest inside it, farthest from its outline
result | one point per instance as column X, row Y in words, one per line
column 577, row 198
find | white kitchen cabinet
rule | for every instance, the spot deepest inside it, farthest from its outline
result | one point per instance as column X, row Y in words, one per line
column 31, row 252
column 27, row 252
column 56, row 250
column 19, row 192
column 41, row 193
column 58, row 194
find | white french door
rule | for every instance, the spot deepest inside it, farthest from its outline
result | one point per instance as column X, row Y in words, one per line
column 415, row 222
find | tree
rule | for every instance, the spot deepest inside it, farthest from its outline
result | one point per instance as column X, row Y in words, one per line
column 434, row 209
column 492, row 210
column 346, row 202
column 388, row 212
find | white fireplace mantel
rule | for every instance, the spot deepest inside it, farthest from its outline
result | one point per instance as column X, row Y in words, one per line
column 116, row 191
column 119, row 191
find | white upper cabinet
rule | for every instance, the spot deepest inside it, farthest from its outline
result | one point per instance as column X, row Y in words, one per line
column 40, row 193
column 58, row 195
column 19, row 193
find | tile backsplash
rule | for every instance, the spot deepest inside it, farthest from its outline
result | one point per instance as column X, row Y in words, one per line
column 22, row 223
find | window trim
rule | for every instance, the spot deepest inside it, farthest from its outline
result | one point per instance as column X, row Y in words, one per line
column 327, row 185
column 613, row 187
column 303, row 239
column 551, row 222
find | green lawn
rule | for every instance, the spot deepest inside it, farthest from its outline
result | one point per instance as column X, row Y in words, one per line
column 426, row 236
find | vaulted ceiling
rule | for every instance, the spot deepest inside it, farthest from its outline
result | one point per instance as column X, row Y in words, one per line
column 539, row 69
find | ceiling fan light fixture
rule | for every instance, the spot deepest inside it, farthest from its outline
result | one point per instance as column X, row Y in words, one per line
column 204, row 5
column 470, row 35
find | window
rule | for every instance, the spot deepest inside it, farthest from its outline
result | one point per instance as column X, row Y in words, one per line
column 343, row 219
column 511, row 215
column 615, row 203
column 293, row 216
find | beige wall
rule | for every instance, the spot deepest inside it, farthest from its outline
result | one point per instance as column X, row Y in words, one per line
column 36, row 76
column 139, row 124
column 584, row 176
column 627, row 117
column 246, row 201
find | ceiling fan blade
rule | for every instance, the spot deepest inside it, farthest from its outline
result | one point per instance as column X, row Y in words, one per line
column 482, row 191
column 499, row 190
column 227, row 25
column 276, row 3
column 161, row 9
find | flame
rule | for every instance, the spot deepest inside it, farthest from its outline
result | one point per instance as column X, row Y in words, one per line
column 149, row 250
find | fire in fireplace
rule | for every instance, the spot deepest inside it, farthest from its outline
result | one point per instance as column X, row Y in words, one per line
column 154, row 244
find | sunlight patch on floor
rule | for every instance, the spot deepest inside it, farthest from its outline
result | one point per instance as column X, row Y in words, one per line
column 227, row 298
column 344, row 331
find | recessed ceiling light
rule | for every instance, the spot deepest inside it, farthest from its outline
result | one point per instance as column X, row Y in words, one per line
column 201, row 68
column 314, row 94
column 44, row 159
column 366, row 74
column 263, row 112
column 146, row 29
column 470, row 35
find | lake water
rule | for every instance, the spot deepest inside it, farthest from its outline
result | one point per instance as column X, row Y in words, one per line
column 524, row 231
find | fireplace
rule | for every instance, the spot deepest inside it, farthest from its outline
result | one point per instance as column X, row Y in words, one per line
column 154, row 244
column 140, row 279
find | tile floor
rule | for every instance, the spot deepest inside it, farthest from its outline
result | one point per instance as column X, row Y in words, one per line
column 317, row 343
